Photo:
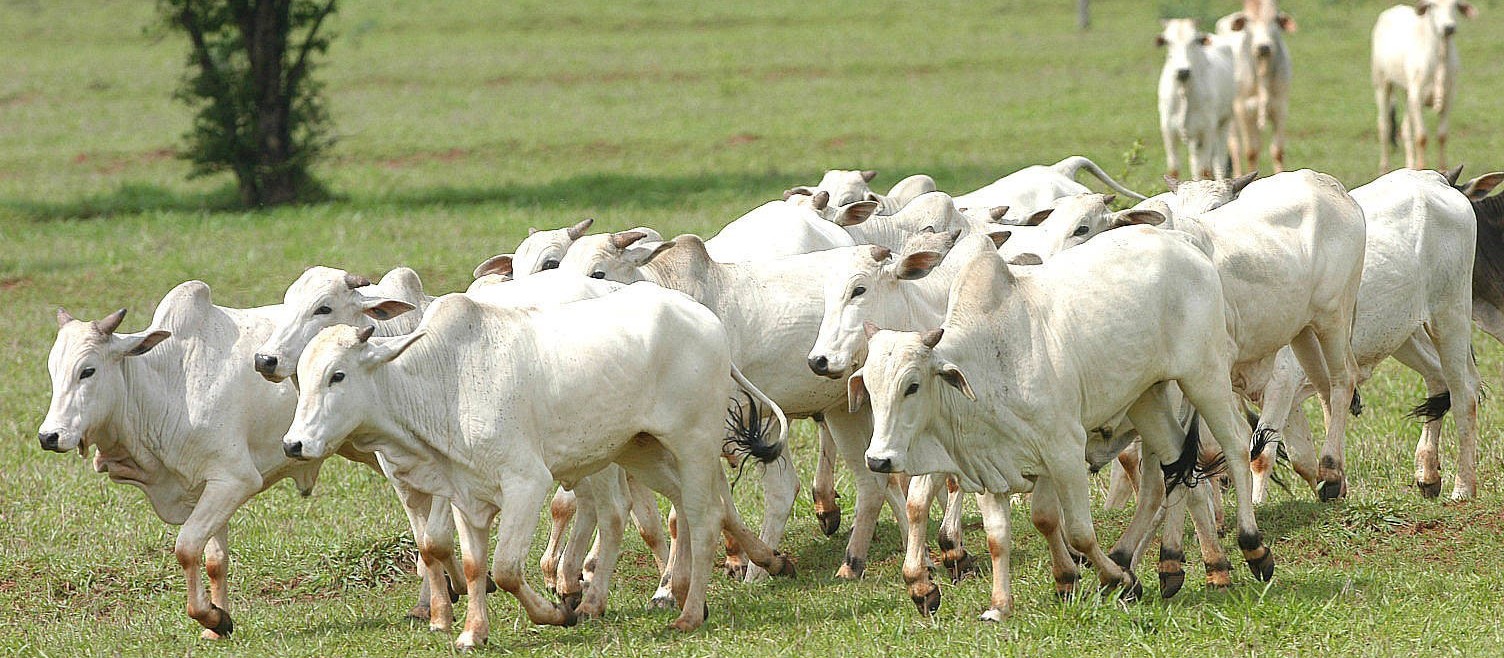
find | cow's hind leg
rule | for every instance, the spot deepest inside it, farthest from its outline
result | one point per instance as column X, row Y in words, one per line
column 780, row 481
column 953, row 556
column 1452, row 335
column 1072, row 487
column 1212, row 396
column 518, row 518
column 1044, row 512
column 852, row 432
column 997, row 511
column 560, row 510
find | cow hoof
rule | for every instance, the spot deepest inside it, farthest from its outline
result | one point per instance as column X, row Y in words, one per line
column 468, row 641
column 571, row 600
column 569, row 616
column 1331, row 490
column 226, row 625
column 830, row 521
column 849, row 572
column 422, row 612
column 1263, row 566
column 209, row 634
column 1430, row 490
column 1170, row 583
column 663, row 600
column 960, row 568
column 1132, row 590
column 785, row 566
column 590, row 611
column 683, row 625
column 929, row 602
column 993, row 615
column 454, row 595
column 736, row 570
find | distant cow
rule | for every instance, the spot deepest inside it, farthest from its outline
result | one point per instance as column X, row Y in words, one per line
column 1036, row 187
column 1413, row 50
column 1196, row 89
column 1263, row 68
column 846, row 186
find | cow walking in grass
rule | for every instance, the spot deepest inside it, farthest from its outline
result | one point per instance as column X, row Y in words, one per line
column 1414, row 50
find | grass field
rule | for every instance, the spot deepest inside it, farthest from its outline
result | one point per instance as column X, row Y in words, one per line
column 462, row 123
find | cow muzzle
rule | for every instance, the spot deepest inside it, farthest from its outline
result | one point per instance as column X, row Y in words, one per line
column 266, row 364
column 294, row 450
column 49, row 441
column 820, row 366
column 1264, row 50
column 883, row 465
column 1449, row 30
column 1183, row 75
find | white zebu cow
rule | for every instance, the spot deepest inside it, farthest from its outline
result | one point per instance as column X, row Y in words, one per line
column 1263, row 68
column 1028, row 362
column 175, row 411
column 935, row 211
column 1196, row 88
column 539, row 251
column 1415, row 304
column 776, row 229
column 771, row 310
column 481, row 405
column 1034, row 188
column 847, row 186
column 1414, row 50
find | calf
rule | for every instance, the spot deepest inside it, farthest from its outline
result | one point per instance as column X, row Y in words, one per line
column 1263, row 68
column 846, row 186
column 470, row 407
column 1413, row 50
column 174, row 411
column 1003, row 395
column 1196, row 88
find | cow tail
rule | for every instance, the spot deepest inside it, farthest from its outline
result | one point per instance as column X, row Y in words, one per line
column 748, row 430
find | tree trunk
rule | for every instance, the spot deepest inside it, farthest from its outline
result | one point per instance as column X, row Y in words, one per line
column 264, row 29
column 1083, row 14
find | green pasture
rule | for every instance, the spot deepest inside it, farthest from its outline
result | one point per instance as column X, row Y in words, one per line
column 462, row 123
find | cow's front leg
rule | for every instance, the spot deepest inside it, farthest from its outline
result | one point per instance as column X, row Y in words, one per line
column 514, row 532
column 1073, row 491
column 216, row 564
column 997, row 517
column 1044, row 512
column 827, row 510
column 208, row 520
column 953, row 556
column 916, row 561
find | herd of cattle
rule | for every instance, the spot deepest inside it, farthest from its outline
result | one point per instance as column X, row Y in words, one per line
column 1218, row 92
column 1010, row 340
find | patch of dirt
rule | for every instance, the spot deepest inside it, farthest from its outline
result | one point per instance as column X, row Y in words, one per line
column 742, row 138
column 19, row 98
column 425, row 157
column 7, row 284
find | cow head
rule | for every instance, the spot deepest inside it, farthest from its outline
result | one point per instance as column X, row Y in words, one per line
column 849, row 214
column 88, row 381
column 337, row 391
column 544, row 250
column 615, row 256
column 1180, row 39
column 1196, row 197
column 1072, row 221
column 324, row 297
column 1442, row 15
column 1263, row 23
column 907, row 380
column 843, row 186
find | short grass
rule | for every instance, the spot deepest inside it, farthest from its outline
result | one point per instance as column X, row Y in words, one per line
column 462, row 123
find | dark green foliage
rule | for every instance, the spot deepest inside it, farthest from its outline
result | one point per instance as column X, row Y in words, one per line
column 259, row 111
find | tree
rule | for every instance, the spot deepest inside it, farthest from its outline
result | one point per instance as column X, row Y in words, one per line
column 259, row 111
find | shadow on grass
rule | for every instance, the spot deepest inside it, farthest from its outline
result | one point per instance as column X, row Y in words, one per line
column 594, row 190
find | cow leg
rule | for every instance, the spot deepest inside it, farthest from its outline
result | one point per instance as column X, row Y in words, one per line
column 763, row 556
column 649, row 523
column 560, row 510
column 216, row 565
column 415, row 505
column 780, row 481
column 1452, row 335
column 827, row 510
column 1308, row 349
column 1414, row 129
column 1443, row 111
column 525, row 494
column 435, row 554
column 1212, row 397
column 476, row 545
column 1162, row 441
column 1278, row 109
column 1301, row 449
column 851, row 433
column 571, row 575
column 916, row 558
column 1122, row 478
column 1383, row 95
column 209, row 517
column 663, row 597
column 1044, row 512
column 1172, row 150
column 1196, row 148
column 1420, row 355
column 613, row 501
column 1069, row 479
column 700, row 508
column 1171, row 565
column 953, row 556
column 997, row 513
column 1204, row 521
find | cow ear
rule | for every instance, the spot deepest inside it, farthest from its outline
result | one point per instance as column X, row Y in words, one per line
column 1038, row 218
column 1467, row 9
column 953, row 376
column 498, row 264
column 383, row 308
column 1026, row 259
column 1287, row 22
column 1137, row 216
column 855, row 213
column 1239, row 21
column 870, row 329
column 856, row 391
column 1206, row 40
column 138, row 344
column 1242, row 181
column 1422, row 6
column 382, row 350
column 1479, row 187
column 1159, row 40
column 868, row 175
column 643, row 253
column 574, row 232
column 918, row 264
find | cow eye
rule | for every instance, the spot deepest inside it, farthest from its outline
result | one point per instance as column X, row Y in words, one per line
column 336, row 378
column 86, row 373
column 551, row 264
column 598, row 274
column 857, row 292
column 912, row 389
column 1081, row 230
column 323, row 310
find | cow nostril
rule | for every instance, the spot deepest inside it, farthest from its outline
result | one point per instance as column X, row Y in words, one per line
column 820, row 365
column 1450, row 30
column 48, row 440
column 1183, row 74
column 880, row 465
column 266, row 364
column 1264, row 51
column 294, row 450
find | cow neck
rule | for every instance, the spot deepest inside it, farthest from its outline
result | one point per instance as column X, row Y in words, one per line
column 414, row 418
column 688, row 268
column 149, row 425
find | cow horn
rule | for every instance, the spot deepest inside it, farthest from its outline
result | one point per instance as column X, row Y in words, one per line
column 574, row 232
column 822, row 199
column 1107, row 199
column 1172, row 182
column 626, row 238
column 365, row 334
column 931, row 338
column 110, row 322
column 63, row 317
column 868, row 175
column 881, row 253
column 531, row 230
column 1453, row 174
column 870, row 328
column 356, row 281
column 997, row 213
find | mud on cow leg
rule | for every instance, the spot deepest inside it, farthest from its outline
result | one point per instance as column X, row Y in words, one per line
column 1219, row 575
column 1331, row 484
